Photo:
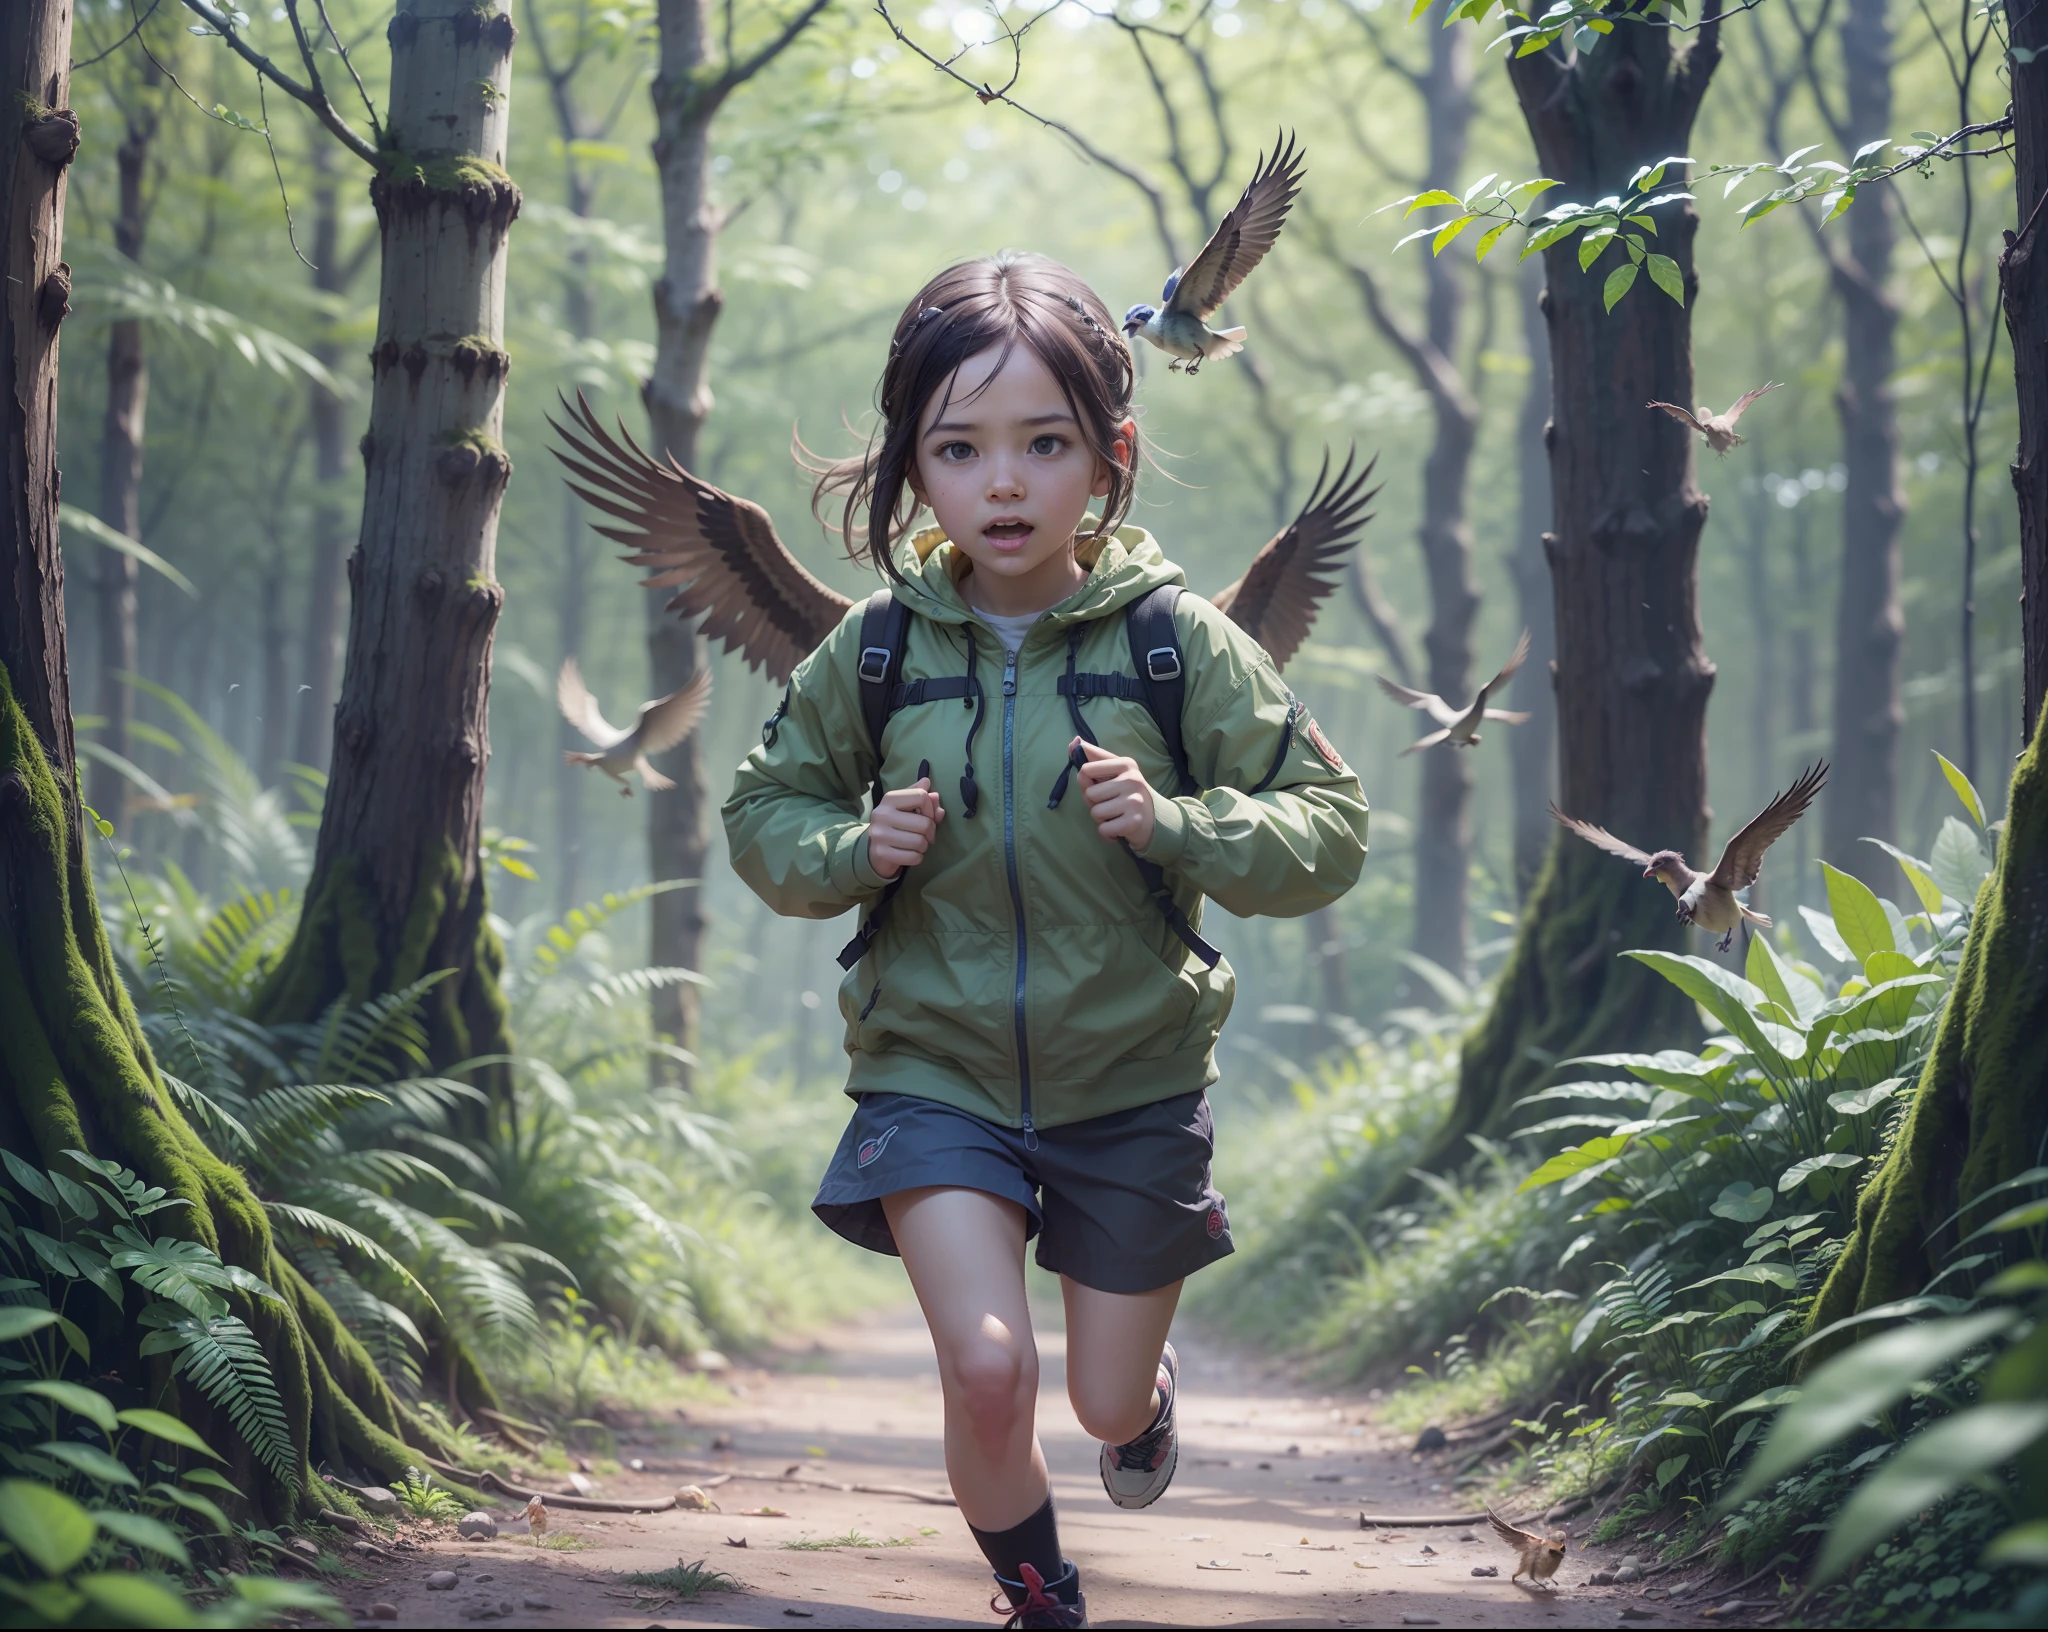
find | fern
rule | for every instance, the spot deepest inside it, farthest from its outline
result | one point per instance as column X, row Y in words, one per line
column 386, row 1331
column 223, row 1358
column 541, row 951
column 240, row 942
column 318, row 1224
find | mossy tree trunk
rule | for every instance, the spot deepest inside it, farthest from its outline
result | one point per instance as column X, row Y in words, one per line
column 2023, row 280
column 1533, row 746
column 75, row 1071
column 1632, row 670
column 396, row 890
column 1979, row 1114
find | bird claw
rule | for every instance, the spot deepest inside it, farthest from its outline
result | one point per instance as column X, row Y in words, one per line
column 1725, row 942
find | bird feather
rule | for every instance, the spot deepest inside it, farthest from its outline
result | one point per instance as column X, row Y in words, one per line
column 1743, row 858
column 1277, row 599
column 667, row 720
column 580, row 709
column 1601, row 839
column 1242, row 239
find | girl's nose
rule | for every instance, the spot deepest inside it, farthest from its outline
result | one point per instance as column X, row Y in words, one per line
column 1004, row 482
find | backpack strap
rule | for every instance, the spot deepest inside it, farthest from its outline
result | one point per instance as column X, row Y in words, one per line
column 1162, row 673
column 884, row 632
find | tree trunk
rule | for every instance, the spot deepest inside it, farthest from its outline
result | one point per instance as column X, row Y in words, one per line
column 687, row 301
column 326, row 580
column 1443, row 838
column 1632, row 670
column 1870, row 627
column 1534, row 746
column 75, row 1072
column 1979, row 1115
column 2025, row 285
column 396, row 892
column 276, row 700
column 121, row 431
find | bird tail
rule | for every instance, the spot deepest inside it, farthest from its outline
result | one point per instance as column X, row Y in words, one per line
column 652, row 779
column 571, row 757
column 1224, row 343
column 1762, row 920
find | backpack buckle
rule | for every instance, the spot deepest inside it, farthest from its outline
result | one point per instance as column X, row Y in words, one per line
column 874, row 664
column 1163, row 663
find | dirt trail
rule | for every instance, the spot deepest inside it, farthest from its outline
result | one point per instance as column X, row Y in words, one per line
column 1271, row 1483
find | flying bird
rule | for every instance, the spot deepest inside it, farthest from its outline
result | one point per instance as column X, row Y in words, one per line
column 535, row 1513
column 723, row 558
column 663, row 723
column 1179, row 325
column 1536, row 1556
column 1460, row 726
column 1718, row 429
column 1707, row 900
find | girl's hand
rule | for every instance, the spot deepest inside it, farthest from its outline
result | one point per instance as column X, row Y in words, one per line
column 901, row 829
column 1119, row 797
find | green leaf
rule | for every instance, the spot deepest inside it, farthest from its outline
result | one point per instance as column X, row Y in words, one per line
column 91, row 1461
column 1861, row 1101
column 1769, row 1400
column 1778, row 1275
column 2024, row 1544
column 193, row 1502
column 1664, row 273
column 1917, row 874
column 1576, row 1160
column 17, row 1322
column 135, row 1600
column 31, row 1179
column 1448, row 231
column 1489, row 238
column 212, row 1480
column 1423, row 201
column 162, row 1425
column 1670, row 1468
column 89, row 1403
column 87, row 525
column 1591, row 245
column 1743, row 1202
column 51, row 1529
column 1924, row 1470
column 1761, row 966
column 1957, row 861
column 1729, row 999
column 1799, row 1172
column 2031, row 1276
column 1859, row 919
column 182, row 1271
column 139, row 1530
column 1965, row 789
column 1871, row 1377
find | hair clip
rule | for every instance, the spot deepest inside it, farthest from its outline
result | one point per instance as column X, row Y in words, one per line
column 1082, row 313
column 916, row 323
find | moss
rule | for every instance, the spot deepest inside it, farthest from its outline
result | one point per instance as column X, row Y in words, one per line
column 1979, row 1113
column 478, row 440
column 443, row 172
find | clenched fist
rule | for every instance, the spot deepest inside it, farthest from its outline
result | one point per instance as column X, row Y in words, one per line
column 901, row 828
column 1119, row 797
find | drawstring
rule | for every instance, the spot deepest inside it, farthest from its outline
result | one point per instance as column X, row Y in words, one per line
column 970, row 793
column 1075, row 758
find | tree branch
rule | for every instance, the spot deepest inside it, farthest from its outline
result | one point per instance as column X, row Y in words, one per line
column 737, row 73
column 323, row 110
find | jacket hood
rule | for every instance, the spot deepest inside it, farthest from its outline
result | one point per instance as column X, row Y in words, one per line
column 1122, row 566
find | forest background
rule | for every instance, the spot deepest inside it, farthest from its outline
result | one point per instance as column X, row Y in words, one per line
column 222, row 249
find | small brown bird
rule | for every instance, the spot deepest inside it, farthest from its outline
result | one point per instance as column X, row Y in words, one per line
column 1537, row 1556
column 663, row 723
column 1708, row 899
column 1460, row 725
column 535, row 1513
column 1718, row 429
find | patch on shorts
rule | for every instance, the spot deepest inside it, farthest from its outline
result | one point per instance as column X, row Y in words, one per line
column 871, row 1149
column 1323, row 746
column 1215, row 1223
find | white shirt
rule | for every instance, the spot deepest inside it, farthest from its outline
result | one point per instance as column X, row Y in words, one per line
column 1012, row 630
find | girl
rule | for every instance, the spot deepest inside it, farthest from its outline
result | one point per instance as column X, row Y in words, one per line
column 1030, row 1027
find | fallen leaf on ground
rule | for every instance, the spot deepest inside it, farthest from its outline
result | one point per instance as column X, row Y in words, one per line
column 1218, row 1564
column 1360, row 1564
column 762, row 1513
column 735, row 1541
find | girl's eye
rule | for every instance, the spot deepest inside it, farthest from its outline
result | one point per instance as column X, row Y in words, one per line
column 956, row 452
column 1047, row 445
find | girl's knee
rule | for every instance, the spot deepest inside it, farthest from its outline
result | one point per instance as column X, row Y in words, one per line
column 1111, row 1414
column 995, row 1381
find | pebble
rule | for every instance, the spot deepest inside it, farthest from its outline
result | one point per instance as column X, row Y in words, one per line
column 383, row 1612
column 1486, row 1569
column 477, row 1526
column 442, row 1581
column 1430, row 1439
column 305, row 1548
column 378, row 1500
column 1601, row 1578
column 1628, row 1572
column 484, row 1577
column 580, row 1485
column 536, row 1603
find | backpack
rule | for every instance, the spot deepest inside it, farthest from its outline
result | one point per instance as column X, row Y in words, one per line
column 1160, row 683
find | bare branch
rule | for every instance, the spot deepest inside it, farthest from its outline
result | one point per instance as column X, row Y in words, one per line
column 737, row 72
column 323, row 110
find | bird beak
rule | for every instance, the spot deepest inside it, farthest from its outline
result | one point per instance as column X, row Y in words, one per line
column 1649, row 872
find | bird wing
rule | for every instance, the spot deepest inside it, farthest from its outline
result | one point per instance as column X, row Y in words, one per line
column 1745, row 400
column 1428, row 701
column 1516, row 659
column 580, row 709
column 1241, row 241
column 721, row 552
column 1743, row 859
column 667, row 720
column 1513, row 1535
column 1602, row 839
column 1277, row 599
column 1421, row 743
column 1679, row 413
column 1510, row 716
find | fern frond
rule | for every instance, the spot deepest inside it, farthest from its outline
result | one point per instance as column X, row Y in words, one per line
column 630, row 984
column 386, row 1167
column 294, row 1113
column 317, row 1224
column 662, row 1229
column 239, row 942
column 394, row 1343
column 542, row 950
column 375, row 1039
column 370, row 1209
column 429, row 1100
column 454, row 1153
column 227, row 1364
column 220, row 1127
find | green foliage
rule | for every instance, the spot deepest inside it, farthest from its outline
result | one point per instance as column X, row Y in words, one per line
column 417, row 1495
column 682, row 1581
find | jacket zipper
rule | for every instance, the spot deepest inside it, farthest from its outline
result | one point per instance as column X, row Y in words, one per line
column 1016, row 892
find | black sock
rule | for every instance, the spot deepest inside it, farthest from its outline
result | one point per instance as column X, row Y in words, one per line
column 1036, row 1541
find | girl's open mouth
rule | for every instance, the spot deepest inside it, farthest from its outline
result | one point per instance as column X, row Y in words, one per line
column 1007, row 532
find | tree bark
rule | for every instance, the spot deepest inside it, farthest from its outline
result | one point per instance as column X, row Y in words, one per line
column 1533, row 747
column 396, row 892
column 2024, row 283
column 326, row 580
column 1870, row 627
column 121, row 432
column 75, row 1071
column 1632, row 671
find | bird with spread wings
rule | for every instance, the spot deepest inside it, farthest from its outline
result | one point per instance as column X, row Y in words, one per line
column 1707, row 900
column 662, row 724
column 1460, row 726
column 726, row 563
column 1717, row 429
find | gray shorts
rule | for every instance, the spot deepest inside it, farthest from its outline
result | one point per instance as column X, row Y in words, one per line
column 1120, row 1203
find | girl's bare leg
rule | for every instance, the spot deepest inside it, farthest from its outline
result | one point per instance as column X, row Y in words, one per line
column 964, row 1250
column 1113, row 1345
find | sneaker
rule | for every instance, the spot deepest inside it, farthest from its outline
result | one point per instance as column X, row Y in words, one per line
column 1137, row 1474
column 1035, row 1601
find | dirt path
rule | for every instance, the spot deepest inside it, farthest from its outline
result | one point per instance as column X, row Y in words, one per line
column 1271, row 1484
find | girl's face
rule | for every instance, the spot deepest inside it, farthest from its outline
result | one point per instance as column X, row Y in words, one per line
column 1008, row 472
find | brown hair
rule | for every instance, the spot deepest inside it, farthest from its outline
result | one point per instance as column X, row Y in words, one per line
column 995, row 301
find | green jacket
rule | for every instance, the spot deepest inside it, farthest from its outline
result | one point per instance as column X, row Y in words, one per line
column 1022, row 973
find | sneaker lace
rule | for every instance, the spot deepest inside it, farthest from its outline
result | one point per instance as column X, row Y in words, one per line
column 1136, row 1455
column 1038, row 1608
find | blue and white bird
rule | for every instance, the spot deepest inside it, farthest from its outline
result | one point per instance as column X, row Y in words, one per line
column 1179, row 325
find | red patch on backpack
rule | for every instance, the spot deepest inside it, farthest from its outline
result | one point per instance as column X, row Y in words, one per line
column 1215, row 1223
column 1323, row 746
